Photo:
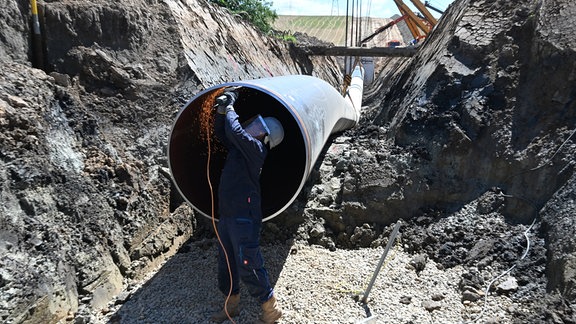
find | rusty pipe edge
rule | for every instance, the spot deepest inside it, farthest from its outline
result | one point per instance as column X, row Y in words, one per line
column 310, row 110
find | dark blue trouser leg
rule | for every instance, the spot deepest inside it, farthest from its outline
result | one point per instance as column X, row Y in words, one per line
column 232, row 251
column 243, row 245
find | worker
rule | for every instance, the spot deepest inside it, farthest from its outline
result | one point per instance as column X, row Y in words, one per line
column 240, row 210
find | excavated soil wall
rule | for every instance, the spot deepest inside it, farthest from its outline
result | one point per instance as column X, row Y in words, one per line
column 483, row 115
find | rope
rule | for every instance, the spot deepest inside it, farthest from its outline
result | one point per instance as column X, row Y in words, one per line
column 346, row 84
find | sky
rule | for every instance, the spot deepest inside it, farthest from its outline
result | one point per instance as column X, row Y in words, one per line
column 375, row 8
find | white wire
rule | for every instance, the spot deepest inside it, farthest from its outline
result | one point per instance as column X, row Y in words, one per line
column 505, row 272
column 553, row 155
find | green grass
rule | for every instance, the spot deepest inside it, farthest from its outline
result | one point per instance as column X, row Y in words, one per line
column 327, row 28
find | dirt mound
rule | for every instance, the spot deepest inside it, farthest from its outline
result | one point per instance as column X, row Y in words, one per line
column 484, row 112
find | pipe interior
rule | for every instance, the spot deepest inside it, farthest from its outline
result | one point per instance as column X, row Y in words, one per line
column 282, row 174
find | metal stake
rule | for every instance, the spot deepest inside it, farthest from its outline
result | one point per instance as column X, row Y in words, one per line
column 388, row 246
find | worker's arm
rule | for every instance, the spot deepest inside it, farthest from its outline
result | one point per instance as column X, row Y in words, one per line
column 219, row 128
column 250, row 147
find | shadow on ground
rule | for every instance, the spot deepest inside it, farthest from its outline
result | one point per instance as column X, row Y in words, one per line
column 184, row 290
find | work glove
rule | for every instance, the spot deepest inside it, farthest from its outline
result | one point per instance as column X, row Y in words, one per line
column 226, row 101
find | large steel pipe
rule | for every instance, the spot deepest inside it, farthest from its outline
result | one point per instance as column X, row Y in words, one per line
column 310, row 110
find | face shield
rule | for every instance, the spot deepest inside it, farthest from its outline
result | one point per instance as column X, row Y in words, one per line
column 256, row 127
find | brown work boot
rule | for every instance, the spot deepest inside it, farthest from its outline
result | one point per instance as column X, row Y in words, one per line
column 270, row 312
column 233, row 307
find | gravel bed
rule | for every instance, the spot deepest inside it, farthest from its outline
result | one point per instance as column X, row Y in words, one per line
column 312, row 284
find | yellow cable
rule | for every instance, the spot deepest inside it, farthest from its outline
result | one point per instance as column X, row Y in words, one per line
column 214, row 222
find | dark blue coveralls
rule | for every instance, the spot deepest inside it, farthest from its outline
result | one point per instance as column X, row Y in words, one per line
column 240, row 209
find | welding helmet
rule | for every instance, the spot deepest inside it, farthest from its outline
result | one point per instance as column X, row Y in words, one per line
column 267, row 129
column 276, row 134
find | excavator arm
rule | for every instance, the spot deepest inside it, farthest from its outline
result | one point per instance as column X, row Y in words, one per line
column 428, row 5
column 381, row 29
column 418, row 26
column 412, row 19
column 422, row 8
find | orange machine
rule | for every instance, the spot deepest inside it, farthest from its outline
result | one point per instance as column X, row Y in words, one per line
column 419, row 26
